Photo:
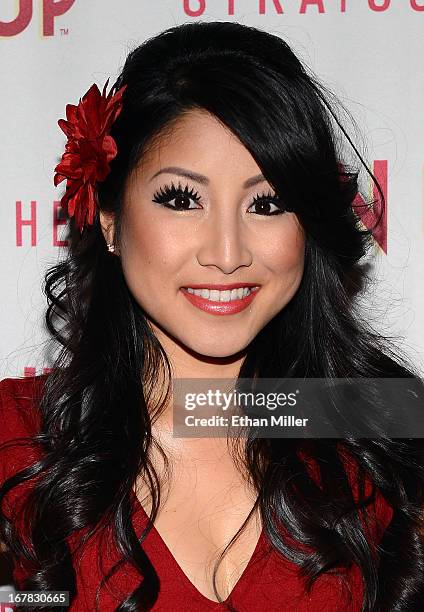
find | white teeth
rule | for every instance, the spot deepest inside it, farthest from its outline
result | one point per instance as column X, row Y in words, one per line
column 222, row 296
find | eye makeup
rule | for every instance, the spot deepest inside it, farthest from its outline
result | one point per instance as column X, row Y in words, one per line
column 167, row 193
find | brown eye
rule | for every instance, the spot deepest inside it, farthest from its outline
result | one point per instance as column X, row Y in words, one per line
column 182, row 197
column 182, row 201
column 264, row 204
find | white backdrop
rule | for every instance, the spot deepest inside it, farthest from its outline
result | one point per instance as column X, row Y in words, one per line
column 369, row 52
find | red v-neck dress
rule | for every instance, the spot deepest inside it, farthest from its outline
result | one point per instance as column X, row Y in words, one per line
column 269, row 582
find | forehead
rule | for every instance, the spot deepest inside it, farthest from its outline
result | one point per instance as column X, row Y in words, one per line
column 199, row 141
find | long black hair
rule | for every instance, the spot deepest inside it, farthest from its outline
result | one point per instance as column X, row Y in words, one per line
column 96, row 431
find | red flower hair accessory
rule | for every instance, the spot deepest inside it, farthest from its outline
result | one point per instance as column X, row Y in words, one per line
column 88, row 151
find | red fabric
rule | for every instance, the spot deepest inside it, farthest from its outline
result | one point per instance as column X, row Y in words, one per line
column 269, row 582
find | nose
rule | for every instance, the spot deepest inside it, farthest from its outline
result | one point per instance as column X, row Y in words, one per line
column 223, row 242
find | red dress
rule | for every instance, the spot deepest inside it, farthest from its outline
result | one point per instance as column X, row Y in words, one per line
column 269, row 582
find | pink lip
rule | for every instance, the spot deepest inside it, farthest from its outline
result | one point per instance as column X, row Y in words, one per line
column 220, row 308
column 223, row 287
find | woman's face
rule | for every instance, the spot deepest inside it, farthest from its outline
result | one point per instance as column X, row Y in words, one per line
column 213, row 233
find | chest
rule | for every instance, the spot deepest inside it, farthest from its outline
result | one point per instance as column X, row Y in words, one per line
column 205, row 500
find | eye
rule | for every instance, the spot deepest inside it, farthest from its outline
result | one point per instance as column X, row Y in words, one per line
column 264, row 202
column 181, row 196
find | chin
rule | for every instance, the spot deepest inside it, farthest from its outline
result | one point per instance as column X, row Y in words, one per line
column 217, row 349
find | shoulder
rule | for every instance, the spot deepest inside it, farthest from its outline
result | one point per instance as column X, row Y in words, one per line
column 376, row 515
column 379, row 513
column 26, row 387
column 20, row 420
column 19, row 411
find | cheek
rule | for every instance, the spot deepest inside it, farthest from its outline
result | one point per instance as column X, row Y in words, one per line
column 285, row 262
column 284, row 254
column 149, row 254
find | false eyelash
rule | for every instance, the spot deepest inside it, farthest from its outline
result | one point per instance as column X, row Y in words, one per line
column 168, row 192
column 265, row 197
column 271, row 197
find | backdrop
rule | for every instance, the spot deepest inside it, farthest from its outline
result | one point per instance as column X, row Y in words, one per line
column 367, row 51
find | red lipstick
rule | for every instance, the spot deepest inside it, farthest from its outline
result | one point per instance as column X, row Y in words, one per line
column 220, row 308
column 223, row 287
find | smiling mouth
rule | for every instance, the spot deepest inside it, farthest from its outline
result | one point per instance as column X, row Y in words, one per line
column 214, row 301
column 219, row 295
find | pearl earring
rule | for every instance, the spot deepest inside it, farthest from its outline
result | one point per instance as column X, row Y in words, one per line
column 111, row 247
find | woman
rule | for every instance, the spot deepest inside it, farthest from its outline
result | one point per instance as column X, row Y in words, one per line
column 212, row 235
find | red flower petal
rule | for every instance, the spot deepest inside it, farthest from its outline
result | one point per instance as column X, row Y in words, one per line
column 58, row 178
column 76, row 206
column 109, row 147
column 91, row 203
column 71, row 110
column 67, row 201
column 69, row 167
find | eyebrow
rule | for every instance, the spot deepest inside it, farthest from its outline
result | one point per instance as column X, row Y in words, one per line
column 203, row 180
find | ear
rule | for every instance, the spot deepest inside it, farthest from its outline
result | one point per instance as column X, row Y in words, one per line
column 107, row 222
